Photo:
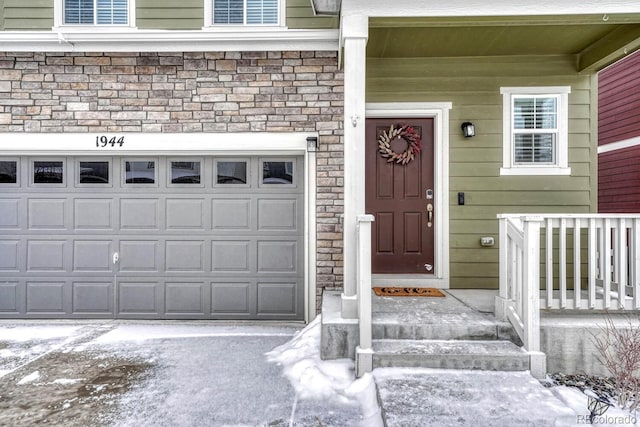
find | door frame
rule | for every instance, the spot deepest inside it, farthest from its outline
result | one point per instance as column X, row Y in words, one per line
column 439, row 112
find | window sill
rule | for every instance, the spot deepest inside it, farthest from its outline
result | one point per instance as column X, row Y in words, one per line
column 535, row 170
column 244, row 28
column 92, row 28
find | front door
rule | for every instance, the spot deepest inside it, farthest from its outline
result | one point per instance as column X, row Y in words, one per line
column 400, row 194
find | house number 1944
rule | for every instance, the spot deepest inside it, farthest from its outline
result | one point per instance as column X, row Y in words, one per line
column 104, row 141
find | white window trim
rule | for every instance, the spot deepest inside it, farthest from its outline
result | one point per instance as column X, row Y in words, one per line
column 562, row 144
column 58, row 20
column 209, row 25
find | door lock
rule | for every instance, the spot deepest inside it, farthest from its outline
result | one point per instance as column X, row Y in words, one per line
column 430, row 215
column 116, row 257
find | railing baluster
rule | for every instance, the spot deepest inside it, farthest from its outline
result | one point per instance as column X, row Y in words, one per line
column 549, row 261
column 592, row 248
column 606, row 260
column 621, row 261
column 562, row 262
column 635, row 263
column 577, row 264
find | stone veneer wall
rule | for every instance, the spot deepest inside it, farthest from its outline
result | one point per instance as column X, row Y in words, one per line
column 191, row 92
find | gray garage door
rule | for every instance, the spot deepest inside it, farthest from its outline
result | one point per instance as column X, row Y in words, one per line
column 151, row 237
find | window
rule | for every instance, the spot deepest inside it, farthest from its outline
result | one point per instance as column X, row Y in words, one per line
column 140, row 172
column 185, row 172
column 231, row 172
column 277, row 172
column 94, row 12
column 8, row 172
column 48, row 172
column 243, row 12
column 535, row 127
column 93, row 172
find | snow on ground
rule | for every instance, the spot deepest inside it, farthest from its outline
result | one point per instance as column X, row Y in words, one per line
column 34, row 376
column 579, row 402
column 24, row 333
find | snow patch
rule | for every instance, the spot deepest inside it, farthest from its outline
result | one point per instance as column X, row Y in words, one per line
column 31, row 333
column 67, row 381
column 34, row 376
column 314, row 378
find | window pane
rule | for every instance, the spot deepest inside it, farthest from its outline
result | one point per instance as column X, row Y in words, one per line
column 228, row 12
column 47, row 172
column 8, row 172
column 262, row 11
column 535, row 113
column 534, row 148
column 232, row 173
column 112, row 12
column 140, row 172
column 78, row 11
column 185, row 172
column 94, row 172
column 277, row 172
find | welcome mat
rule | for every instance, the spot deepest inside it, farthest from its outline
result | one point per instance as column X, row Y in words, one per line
column 391, row 291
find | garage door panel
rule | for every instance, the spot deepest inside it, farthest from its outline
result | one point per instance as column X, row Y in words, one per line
column 46, row 255
column 231, row 256
column 277, row 214
column 186, row 298
column 274, row 256
column 9, row 297
column 136, row 214
column 183, row 255
column 210, row 250
column 9, row 250
column 277, row 298
column 45, row 297
column 185, row 213
column 9, row 213
column 231, row 214
column 92, row 255
column 139, row 298
column 232, row 298
column 94, row 298
column 93, row 214
column 138, row 255
column 46, row 214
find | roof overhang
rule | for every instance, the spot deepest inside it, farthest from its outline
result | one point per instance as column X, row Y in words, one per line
column 133, row 40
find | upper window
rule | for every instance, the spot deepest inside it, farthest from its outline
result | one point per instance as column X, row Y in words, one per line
column 95, row 12
column 243, row 12
column 535, row 126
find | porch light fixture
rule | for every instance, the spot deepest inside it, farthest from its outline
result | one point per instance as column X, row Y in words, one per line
column 468, row 129
column 312, row 143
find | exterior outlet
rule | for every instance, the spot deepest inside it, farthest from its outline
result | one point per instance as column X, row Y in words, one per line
column 487, row 241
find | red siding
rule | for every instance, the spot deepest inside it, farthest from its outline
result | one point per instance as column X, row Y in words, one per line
column 619, row 101
column 619, row 181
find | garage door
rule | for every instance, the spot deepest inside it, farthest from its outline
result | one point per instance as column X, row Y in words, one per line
column 151, row 237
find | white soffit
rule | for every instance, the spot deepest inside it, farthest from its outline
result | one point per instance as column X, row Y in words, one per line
column 132, row 40
column 467, row 8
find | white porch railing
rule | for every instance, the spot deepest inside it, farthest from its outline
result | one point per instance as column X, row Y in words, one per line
column 597, row 266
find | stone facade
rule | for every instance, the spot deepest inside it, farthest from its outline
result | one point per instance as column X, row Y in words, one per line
column 287, row 91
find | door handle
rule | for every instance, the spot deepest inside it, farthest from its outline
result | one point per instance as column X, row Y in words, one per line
column 430, row 215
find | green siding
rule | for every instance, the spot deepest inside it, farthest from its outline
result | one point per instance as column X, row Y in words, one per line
column 473, row 87
column 169, row 14
column 27, row 15
column 300, row 16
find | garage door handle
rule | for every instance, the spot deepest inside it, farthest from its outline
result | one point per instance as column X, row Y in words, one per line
column 116, row 257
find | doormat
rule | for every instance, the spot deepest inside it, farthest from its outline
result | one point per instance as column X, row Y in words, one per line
column 390, row 291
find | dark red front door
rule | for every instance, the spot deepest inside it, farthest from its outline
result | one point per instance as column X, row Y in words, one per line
column 401, row 197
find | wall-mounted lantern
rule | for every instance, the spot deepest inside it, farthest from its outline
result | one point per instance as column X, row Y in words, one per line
column 468, row 129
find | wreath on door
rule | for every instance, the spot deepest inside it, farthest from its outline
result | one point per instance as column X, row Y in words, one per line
column 405, row 132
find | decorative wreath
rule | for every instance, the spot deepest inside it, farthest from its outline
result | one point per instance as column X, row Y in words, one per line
column 405, row 132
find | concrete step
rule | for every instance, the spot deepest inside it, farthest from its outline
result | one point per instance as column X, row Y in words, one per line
column 476, row 329
column 493, row 355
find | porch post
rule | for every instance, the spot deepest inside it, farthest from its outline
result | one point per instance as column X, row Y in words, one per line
column 355, row 30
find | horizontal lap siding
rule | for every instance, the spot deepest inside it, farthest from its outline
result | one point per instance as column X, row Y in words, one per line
column 619, row 181
column 22, row 15
column 169, row 14
column 619, row 101
column 300, row 15
column 473, row 86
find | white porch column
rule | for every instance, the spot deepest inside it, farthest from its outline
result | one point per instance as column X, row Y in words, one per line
column 355, row 30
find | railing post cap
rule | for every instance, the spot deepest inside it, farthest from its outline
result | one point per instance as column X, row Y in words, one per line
column 365, row 218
